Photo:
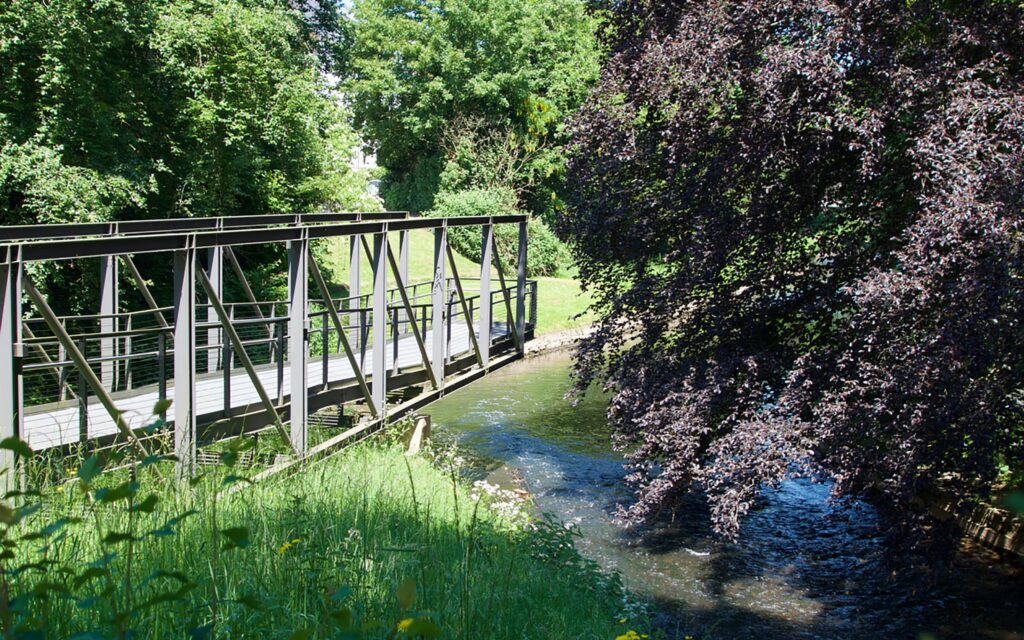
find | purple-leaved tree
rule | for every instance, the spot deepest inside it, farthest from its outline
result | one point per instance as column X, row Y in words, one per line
column 802, row 223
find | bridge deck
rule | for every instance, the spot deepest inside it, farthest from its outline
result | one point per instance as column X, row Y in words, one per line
column 57, row 424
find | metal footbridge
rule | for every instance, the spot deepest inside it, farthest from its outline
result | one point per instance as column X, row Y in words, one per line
column 197, row 342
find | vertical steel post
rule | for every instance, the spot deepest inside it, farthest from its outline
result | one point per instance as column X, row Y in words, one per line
column 127, row 350
column 280, row 328
column 213, row 335
column 185, row 359
column 10, row 376
column 63, row 377
column 226, row 378
column 353, row 284
column 395, row 335
column 448, row 326
column 484, row 331
column 380, row 321
column 298, row 337
column 403, row 255
column 161, row 366
column 437, row 298
column 521, row 288
column 403, row 270
column 108, row 321
column 325, row 342
column 83, row 400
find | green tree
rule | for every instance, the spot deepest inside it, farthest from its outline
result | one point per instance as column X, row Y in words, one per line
column 131, row 108
column 151, row 108
column 259, row 128
column 78, row 112
column 417, row 67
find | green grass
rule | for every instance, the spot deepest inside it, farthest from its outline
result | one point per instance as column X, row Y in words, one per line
column 559, row 300
column 559, row 305
column 320, row 554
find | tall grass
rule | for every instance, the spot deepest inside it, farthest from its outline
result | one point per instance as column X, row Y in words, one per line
column 370, row 543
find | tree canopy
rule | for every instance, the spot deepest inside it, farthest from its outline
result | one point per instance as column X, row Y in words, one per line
column 802, row 222
column 130, row 108
column 415, row 68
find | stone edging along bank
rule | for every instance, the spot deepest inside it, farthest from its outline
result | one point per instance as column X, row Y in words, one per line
column 564, row 339
column 987, row 525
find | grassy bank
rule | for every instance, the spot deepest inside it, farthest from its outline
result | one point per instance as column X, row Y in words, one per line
column 368, row 544
column 559, row 300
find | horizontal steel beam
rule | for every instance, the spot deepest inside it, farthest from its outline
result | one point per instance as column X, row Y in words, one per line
column 152, row 243
column 15, row 233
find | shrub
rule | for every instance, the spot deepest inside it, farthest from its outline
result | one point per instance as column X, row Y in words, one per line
column 546, row 256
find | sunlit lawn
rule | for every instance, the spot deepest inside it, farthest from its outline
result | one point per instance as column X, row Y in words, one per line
column 559, row 300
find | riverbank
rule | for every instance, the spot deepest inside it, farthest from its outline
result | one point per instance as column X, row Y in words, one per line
column 804, row 566
column 370, row 541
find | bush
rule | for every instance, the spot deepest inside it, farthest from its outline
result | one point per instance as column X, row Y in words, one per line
column 546, row 256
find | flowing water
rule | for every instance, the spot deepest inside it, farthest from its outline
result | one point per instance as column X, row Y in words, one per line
column 803, row 567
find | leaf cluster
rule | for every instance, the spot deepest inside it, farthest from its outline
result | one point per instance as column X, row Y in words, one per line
column 802, row 223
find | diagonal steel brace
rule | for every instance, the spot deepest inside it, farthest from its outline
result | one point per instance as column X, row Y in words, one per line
column 321, row 284
column 82, row 364
column 243, row 356
column 412, row 318
column 465, row 307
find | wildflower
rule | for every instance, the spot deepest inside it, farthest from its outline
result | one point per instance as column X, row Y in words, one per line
column 403, row 625
column 629, row 635
column 288, row 545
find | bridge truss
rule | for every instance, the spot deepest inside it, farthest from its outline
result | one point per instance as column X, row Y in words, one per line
column 219, row 367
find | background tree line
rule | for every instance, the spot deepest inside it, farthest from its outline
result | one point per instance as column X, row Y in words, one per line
column 133, row 109
column 129, row 109
column 466, row 102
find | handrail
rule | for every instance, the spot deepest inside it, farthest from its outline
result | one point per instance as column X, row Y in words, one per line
column 29, row 232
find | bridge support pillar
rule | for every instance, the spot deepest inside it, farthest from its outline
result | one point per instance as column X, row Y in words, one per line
column 298, row 341
column 438, row 298
column 213, row 336
column 521, row 288
column 354, row 260
column 185, row 360
column 380, row 321
column 486, row 256
column 108, row 320
column 10, row 378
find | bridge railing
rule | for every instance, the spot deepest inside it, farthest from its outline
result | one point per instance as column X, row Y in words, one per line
column 74, row 378
column 141, row 360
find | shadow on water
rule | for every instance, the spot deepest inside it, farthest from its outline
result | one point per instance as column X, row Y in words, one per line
column 802, row 568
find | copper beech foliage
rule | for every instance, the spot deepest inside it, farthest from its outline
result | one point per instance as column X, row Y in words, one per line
column 802, row 222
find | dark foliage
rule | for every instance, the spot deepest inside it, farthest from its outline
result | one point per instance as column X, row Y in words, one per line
column 802, row 222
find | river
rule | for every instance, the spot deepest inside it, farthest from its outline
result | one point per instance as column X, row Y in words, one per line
column 802, row 568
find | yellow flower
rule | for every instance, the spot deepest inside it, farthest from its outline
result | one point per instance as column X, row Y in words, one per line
column 622, row 621
column 629, row 635
column 403, row 625
column 288, row 545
